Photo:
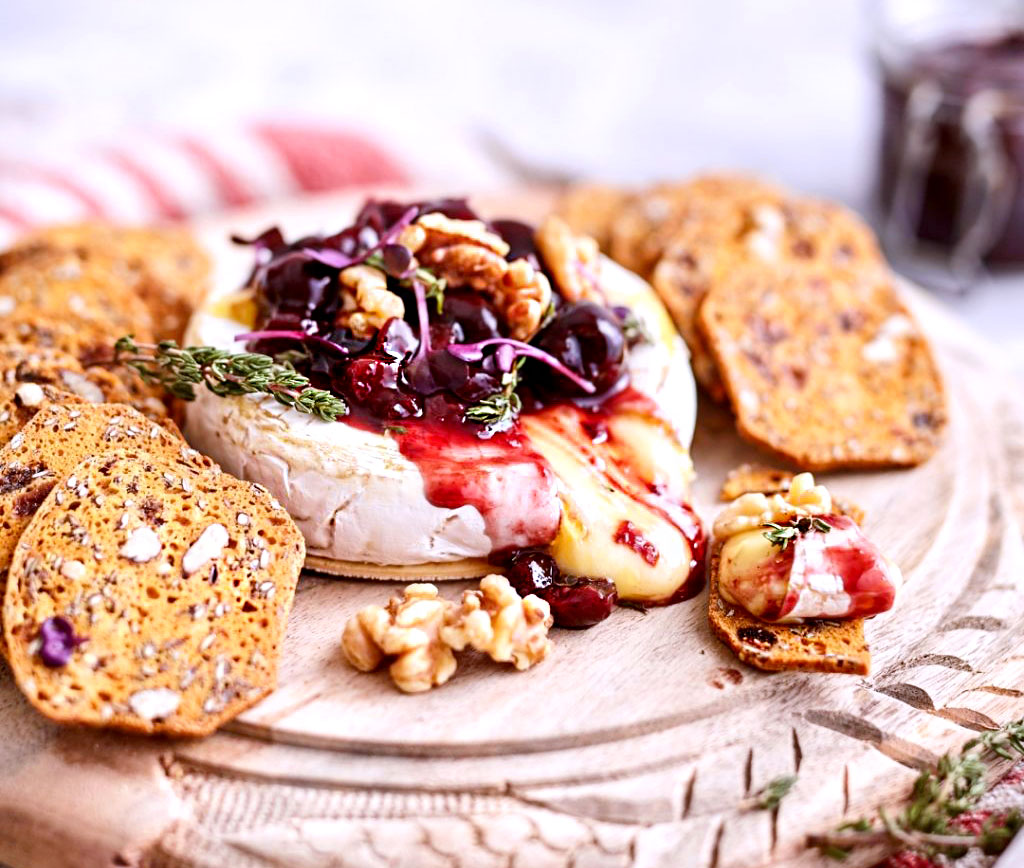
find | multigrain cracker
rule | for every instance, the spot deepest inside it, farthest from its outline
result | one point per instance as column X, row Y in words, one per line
column 816, row 646
column 648, row 221
column 40, row 456
column 155, row 600
column 81, row 287
column 825, row 369
column 19, row 403
column 26, row 364
column 763, row 230
column 592, row 209
column 172, row 270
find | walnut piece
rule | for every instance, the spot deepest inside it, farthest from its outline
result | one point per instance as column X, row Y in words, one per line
column 574, row 260
column 408, row 630
column 466, row 264
column 523, row 299
column 370, row 303
column 498, row 622
column 444, row 231
column 754, row 509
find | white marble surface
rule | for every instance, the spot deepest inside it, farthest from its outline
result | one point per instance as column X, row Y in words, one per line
column 652, row 88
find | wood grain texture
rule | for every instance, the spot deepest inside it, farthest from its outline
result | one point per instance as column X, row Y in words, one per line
column 636, row 744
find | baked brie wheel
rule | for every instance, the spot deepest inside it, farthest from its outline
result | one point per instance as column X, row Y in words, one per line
column 513, row 399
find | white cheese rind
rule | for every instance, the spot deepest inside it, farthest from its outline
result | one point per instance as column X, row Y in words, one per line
column 351, row 492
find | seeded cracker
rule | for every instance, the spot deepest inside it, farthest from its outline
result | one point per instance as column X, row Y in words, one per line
column 46, row 450
column 19, row 402
column 764, row 229
column 25, row 364
column 172, row 272
column 80, row 287
column 817, row 646
column 162, row 598
column 825, row 369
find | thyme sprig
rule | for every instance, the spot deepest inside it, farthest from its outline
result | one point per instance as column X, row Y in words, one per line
column 938, row 797
column 180, row 369
column 499, row 409
column 782, row 535
column 771, row 795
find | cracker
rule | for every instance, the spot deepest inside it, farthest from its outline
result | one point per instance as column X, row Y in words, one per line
column 81, row 287
column 648, row 221
column 58, row 437
column 754, row 478
column 817, row 646
column 592, row 209
column 823, row 368
column 19, row 403
column 26, row 364
column 177, row 583
column 764, row 228
column 173, row 271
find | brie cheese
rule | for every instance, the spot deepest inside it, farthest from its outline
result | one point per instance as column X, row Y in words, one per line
column 357, row 498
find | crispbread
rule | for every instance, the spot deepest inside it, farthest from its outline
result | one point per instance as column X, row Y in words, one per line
column 59, row 437
column 764, row 229
column 27, row 364
column 592, row 209
column 754, row 477
column 78, row 286
column 648, row 221
column 173, row 272
column 825, row 368
column 177, row 581
column 817, row 646
column 86, row 340
column 19, row 402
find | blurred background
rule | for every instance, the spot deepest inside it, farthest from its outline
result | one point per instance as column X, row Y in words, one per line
column 146, row 110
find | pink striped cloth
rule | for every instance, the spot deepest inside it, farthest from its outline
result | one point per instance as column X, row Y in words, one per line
column 152, row 177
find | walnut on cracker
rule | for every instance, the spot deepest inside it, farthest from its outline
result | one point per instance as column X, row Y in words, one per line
column 408, row 631
column 367, row 303
column 755, row 509
column 495, row 620
column 574, row 260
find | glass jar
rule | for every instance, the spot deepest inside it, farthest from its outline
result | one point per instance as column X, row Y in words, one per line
column 951, row 160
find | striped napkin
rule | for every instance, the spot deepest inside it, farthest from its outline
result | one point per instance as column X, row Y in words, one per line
column 164, row 176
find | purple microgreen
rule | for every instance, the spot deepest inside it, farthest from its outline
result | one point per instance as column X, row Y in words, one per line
column 475, row 353
column 336, row 259
column 276, row 334
column 506, row 357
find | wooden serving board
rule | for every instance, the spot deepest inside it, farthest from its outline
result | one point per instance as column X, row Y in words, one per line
column 635, row 744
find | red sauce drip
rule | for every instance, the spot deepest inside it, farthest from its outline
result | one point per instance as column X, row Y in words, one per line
column 628, row 534
column 506, row 480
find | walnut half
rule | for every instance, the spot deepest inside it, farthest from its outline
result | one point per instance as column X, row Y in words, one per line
column 498, row 622
column 408, row 630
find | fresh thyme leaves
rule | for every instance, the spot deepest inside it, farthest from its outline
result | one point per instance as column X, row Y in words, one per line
column 927, row 824
column 501, row 408
column 434, row 285
column 774, row 792
column 782, row 535
column 635, row 330
column 396, row 429
column 180, row 369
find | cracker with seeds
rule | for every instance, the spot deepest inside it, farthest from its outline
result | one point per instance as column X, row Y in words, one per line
column 26, row 364
column 648, row 221
column 173, row 271
column 817, row 646
column 825, row 369
column 57, row 438
column 592, row 209
column 768, row 230
column 151, row 597
column 84, row 288
column 19, row 403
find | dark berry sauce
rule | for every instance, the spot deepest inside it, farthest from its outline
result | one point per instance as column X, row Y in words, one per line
column 630, row 536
